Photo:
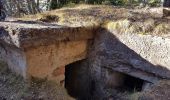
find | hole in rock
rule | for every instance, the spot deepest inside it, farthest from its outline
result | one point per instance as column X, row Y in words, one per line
column 123, row 82
column 132, row 84
column 77, row 80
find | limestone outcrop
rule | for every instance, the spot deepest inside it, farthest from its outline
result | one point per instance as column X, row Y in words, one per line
column 142, row 56
column 42, row 50
column 134, row 47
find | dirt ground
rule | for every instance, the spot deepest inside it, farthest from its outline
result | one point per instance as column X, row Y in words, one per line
column 13, row 87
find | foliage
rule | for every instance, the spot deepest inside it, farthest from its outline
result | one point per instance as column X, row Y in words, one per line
column 20, row 8
column 107, row 2
column 154, row 2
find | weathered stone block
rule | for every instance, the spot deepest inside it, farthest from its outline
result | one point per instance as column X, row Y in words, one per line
column 44, row 61
column 142, row 56
column 40, row 50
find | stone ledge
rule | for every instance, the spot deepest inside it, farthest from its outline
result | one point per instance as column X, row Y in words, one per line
column 38, row 50
column 24, row 35
column 144, row 52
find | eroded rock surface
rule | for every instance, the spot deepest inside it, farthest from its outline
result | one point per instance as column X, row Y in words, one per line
column 42, row 50
column 133, row 43
column 142, row 56
column 25, row 34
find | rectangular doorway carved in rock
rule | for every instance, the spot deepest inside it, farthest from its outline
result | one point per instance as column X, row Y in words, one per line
column 77, row 79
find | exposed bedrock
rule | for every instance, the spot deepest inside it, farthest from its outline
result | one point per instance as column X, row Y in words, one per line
column 144, row 57
column 40, row 50
column 57, row 53
column 145, row 52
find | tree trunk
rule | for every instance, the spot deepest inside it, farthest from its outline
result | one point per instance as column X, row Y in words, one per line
column 29, row 7
column 18, row 14
column 34, row 7
column 38, row 5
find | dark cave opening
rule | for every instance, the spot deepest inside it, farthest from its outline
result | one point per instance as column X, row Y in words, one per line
column 132, row 84
column 79, row 84
column 77, row 80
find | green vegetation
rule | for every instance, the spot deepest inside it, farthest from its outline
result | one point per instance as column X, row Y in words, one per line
column 60, row 3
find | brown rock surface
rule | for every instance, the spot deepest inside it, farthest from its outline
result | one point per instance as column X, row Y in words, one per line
column 133, row 42
column 34, row 49
column 25, row 34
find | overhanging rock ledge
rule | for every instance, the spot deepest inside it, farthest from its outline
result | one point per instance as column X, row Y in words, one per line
column 42, row 50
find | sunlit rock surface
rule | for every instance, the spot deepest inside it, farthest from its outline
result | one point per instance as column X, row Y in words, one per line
column 42, row 50
column 114, row 45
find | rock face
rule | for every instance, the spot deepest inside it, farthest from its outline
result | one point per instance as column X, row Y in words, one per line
column 142, row 56
column 41, row 50
column 52, row 61
column 166, row 12
column 157, row 92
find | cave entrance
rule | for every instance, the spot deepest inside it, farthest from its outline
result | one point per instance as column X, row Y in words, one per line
column 124, row 82
column 132, row 84
column 76, row 79
column 79, row 85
